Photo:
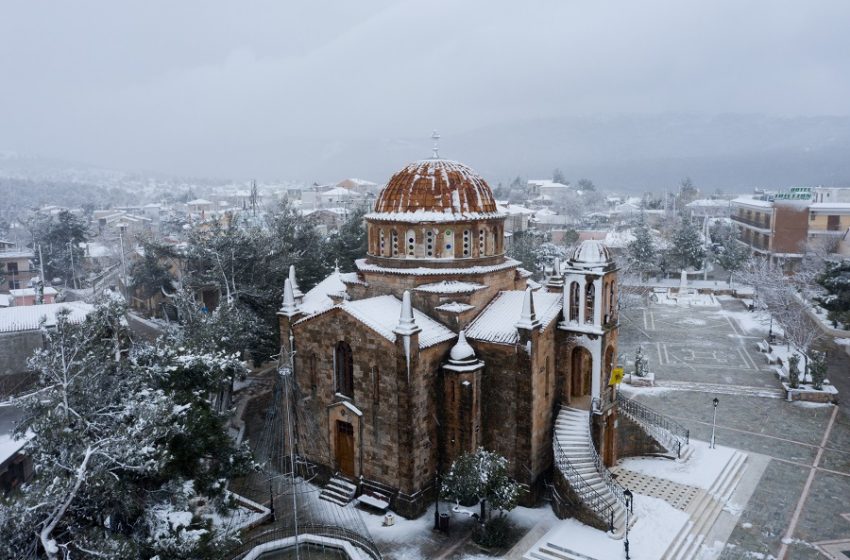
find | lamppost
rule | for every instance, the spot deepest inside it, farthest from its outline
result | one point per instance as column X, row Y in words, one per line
column 714, row 422
column 627, row 494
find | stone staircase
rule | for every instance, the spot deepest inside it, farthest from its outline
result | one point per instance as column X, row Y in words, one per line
column 669, row 434
column 552, row 551
column 572, row 437
column 705, row 510
column 339, row 490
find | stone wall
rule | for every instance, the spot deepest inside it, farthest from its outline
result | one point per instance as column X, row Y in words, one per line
column 633, row 441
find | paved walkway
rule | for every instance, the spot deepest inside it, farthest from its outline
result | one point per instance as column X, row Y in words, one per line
column 796, row 510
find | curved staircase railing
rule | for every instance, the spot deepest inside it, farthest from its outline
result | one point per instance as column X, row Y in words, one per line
column 608, row 478
column 670, row 433
column 595, row 501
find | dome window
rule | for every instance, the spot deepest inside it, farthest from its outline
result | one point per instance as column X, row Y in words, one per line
column 411, row 243
column 394, row 242
column 466, row 243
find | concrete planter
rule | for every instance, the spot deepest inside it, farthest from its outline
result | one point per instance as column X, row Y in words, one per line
column 804, row 392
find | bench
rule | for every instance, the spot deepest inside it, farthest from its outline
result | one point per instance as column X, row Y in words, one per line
column 749, row 304
column 763, row 346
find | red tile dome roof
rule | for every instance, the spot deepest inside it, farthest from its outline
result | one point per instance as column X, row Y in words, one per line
column 435, row 189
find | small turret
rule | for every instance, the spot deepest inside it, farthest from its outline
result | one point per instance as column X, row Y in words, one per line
column 406, row 323
column 290, row 306
column 528, row 318
column 297, row 294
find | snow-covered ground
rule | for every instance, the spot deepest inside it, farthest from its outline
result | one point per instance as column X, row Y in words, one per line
column 701, row 470
column 657, row 525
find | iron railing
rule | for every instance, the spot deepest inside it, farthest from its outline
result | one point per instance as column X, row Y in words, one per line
column 588, row 496
column 608, row 478
column 669, row 433
column 321, row 530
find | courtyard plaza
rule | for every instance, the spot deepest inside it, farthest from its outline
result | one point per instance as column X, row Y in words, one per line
column 800, row 506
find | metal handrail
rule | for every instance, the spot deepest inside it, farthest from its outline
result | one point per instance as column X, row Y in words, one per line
column 321, row 530
column 669, row 432
column 608, row 478
column 585, row 492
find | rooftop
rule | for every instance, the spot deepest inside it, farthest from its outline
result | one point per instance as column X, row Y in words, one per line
column 29, row 317
column 496, row 321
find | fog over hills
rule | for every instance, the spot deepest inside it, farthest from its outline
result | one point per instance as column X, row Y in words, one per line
column 624, row 152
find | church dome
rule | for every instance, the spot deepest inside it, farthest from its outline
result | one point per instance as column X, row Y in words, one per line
column 438, row 190
column 591, row 252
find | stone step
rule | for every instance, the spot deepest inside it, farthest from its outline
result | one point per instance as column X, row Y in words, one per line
column 333, row 499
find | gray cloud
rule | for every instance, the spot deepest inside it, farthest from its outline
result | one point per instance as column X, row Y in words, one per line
column 274, row 88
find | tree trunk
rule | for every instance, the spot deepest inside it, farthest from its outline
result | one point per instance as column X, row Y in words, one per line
column 47, row 543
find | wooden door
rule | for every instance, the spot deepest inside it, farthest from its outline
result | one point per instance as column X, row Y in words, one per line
column 345, row 448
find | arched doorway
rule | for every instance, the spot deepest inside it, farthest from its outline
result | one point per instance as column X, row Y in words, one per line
column 581, row 372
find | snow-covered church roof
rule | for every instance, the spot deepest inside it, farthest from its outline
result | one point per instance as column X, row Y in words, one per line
column 318, row 299
column 381, row 314
column 591, row 252
column 496, row 322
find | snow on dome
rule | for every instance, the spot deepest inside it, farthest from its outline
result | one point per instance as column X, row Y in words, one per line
column 462, row 352
column 591, row 251
column 436, row 189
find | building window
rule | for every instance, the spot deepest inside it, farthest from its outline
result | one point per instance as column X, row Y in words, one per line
column 573, row 301
column 449, row 241
column 482, row 248
column 12, row 268
column 833, row 223
column 394, row 242
column 383, row 244
column 429, row 242
column 589, row 297
column 411, row 243
column 344, row 369
column 466, row 243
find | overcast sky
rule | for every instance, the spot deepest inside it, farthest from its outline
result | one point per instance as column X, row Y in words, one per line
column 230, row 88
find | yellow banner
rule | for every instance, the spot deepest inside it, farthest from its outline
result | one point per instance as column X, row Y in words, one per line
column 616, row 376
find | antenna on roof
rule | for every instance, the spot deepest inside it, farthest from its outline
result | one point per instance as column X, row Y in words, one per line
column 435, row 153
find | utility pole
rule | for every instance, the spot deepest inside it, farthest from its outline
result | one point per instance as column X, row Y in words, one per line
column 73, row 270
column 39, row 288
column 123, row 262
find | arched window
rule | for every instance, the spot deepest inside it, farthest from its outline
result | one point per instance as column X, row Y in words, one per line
column 482, row 248
column 344, row 369
column 429, row 242
column 448, row 244
column 382, row 241
column 411, row 243
column 492, row 242
column 394, row 242
column 574, row 301
column 611, row 302
column 589, row 296
column 466, row 247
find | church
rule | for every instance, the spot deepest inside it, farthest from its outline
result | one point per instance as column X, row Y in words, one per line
column 439, row 344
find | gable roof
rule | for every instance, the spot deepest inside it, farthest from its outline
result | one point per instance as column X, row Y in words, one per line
column 496, row 322
column 381, row 314
column 28, row 317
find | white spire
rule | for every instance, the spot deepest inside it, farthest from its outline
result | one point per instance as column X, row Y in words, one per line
column 528, row 319
column 461, row 352
column 289, row 307
column 406, row 323
column 295, row 291
column 556, row 267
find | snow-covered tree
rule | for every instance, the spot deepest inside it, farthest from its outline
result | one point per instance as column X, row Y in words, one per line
column 349, row 242
column 836, row 281
column 687, row 245
column 60, row 240
column 817, row 369
column 733, row 254
column 794, row 370
column 482, row 477
column 641, row 251
column 113, row 430
column 546, row 254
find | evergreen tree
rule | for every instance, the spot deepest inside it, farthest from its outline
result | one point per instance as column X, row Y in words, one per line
column 151, row 275
column 482, row 477
column 558, row 177
column 641, row 251
column 836, row 281
column 733, row 254
column 349, row 242
column 687, row 247
column 121, row 437
column 60, row 240
column 687, row 193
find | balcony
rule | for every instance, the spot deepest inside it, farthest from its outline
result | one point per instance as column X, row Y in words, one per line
column 762, row 225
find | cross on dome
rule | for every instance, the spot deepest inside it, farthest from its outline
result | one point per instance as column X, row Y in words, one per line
column 435, row 153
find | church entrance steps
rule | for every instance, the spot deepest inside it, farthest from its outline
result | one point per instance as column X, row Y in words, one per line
column 579, row 466
column 705, row 510
column 552, row 551
column 339, row 490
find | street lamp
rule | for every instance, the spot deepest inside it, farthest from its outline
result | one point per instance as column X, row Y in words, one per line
column 714, row 422
column 627, row 494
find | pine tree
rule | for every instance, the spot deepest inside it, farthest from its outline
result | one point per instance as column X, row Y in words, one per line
column 60, row 240
column 687, row 250
column 733, row 255
column 641, row 251
column 836, row 281
column 121, row 436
